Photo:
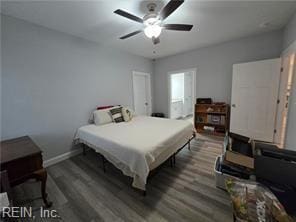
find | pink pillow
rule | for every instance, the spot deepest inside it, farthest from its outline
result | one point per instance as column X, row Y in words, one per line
column 104, row 107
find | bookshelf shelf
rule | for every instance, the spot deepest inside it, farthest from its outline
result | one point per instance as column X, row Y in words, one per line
column 216, row 113
column 210, row 133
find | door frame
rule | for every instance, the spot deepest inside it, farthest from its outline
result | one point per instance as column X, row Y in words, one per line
column 148, row 75
column 278, row 123
column 193, row 70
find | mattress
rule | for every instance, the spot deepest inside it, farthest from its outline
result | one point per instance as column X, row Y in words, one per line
column 137, row 146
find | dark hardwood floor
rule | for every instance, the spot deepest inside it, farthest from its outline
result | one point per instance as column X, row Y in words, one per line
column 80, row 191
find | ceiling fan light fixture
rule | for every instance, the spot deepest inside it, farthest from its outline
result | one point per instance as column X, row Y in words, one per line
column 151, row 19
column 152, row 31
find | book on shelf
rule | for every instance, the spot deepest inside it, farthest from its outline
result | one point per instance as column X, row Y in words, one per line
column 209, row 118
column 216, row 119
column 222, row 120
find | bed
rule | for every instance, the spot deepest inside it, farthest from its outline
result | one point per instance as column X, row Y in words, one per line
column 138, row 146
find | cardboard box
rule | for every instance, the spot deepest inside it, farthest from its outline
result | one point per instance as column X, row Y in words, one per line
column 239, row 159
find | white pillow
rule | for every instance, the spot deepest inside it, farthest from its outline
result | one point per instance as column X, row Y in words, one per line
column 127, row 114
column 91, row 119
column 102, row 117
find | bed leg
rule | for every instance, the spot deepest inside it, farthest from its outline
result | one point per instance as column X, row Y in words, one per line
column 103, row 161
column 174, row 159
column 189, row 145
column 84, row 149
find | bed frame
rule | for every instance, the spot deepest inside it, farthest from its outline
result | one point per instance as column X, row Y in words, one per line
column 172, row 158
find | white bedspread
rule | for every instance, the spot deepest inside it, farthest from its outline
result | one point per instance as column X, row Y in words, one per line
column 135, row 146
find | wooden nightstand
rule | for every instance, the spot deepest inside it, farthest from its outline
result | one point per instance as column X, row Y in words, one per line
column 22, row 159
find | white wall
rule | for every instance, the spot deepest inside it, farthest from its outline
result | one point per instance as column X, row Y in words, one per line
column 289, row 38
column 51, row 82
column 214, row 66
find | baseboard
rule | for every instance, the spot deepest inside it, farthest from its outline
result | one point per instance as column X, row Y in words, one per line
column 61, row 157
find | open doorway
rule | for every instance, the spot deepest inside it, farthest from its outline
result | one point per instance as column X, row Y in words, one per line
column 181, row 93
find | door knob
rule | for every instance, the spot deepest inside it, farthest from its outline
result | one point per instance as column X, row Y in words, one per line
column 233, row 105
column 146, row 104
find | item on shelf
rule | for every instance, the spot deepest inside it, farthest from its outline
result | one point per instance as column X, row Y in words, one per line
column 204, row 101
column 209, row 118
column 219, row 103
column 222, row 122
column 200, row 120
column 210, row 110
column 215, row 119
column 209, row 128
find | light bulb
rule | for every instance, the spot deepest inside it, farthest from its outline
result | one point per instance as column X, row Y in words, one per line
column 152, row 31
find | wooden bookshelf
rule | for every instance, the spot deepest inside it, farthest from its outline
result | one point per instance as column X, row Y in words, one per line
column 212, row 118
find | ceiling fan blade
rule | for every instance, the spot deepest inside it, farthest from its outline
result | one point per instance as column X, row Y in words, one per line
column 178, row 27
column 170, row 8
column 155, row 40
column 130, row 34
column 128, row 15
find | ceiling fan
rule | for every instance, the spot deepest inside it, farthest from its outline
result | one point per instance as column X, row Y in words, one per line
column 153, row 21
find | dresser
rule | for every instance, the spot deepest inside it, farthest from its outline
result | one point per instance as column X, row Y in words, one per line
column 21, row 158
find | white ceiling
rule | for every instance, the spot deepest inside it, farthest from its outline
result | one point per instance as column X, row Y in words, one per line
column 214, row 21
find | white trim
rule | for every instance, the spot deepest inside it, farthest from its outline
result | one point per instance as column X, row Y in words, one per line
column 61, row 157
column 169, row 87
column 291, row 49
column 149, row 90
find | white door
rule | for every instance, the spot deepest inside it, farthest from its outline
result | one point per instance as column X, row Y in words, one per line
column 254, row 98
column 188, row 91
column 142, row 93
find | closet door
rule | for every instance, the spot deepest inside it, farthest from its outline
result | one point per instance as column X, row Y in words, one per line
column 254, row 96
column 142, row 93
